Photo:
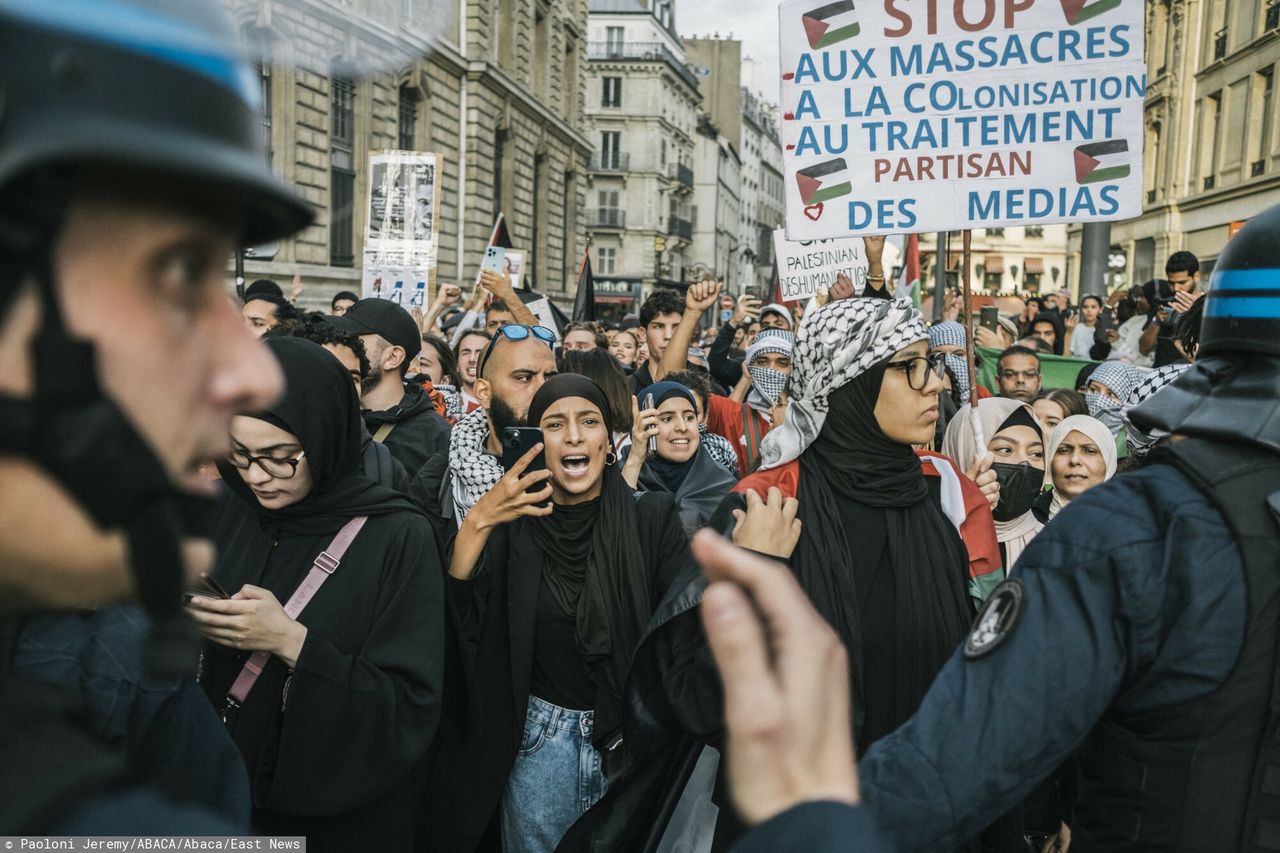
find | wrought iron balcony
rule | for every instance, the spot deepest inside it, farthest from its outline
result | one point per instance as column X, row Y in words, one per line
column 607, row 217
column 642, row 51
column 681, row 228
column 615, row 161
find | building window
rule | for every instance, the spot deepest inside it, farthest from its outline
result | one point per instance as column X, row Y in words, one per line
column 662, row 154
column 570, row 91
column 1035, row 231
column 541, row 52
column 995, row 232
column 408, row 129
column 1212, row 140
column 1031, row 282
column 606, row 260
column 614, row 37
column 342, row 174
column 612, row 95
column 570, row 227
column 1266, row 118
column 611, row 149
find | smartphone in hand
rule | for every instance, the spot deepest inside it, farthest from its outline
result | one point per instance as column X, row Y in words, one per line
column 653, row 439
column 494, row 256
column 516, row 442
column 989, row 317
column 206, row 586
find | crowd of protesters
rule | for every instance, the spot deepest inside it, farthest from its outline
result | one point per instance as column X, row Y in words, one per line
column 525, row 497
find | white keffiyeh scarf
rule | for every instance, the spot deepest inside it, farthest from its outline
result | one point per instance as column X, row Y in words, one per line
column 472, row 469
column 835, row 344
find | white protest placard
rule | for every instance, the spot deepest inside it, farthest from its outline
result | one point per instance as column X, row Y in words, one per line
column 541, row 309
column 906, row 116
column 401, row 241
column 805, row 267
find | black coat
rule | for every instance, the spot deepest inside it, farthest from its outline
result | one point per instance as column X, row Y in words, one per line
column 698, row 496
column 493, row 615
column 335, row 748
column 420, row 433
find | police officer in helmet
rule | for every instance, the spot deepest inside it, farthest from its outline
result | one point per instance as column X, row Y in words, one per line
column 131, row 165
column 1138, row 631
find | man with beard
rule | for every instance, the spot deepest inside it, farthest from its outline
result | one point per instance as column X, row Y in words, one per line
column 509, row 372
column 399, row 414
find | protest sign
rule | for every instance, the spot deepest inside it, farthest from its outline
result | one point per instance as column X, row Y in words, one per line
column 807, row 266
column 401, row 240
column 908, row 117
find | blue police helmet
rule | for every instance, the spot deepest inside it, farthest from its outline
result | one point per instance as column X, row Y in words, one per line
column 1232, row 392
column 1242, row 308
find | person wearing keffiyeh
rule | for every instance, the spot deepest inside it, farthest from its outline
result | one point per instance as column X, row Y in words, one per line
column 1109, row 386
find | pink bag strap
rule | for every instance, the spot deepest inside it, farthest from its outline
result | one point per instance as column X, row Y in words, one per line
column 326, row 563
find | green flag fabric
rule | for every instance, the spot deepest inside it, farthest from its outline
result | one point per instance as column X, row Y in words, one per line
column 1056, row 371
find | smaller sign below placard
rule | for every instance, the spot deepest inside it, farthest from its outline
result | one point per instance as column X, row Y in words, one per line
column 805, row 267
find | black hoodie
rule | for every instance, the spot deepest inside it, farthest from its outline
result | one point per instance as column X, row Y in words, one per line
column 419, row 432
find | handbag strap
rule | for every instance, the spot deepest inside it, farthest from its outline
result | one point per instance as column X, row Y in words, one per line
column 326, row 563
column 383, row 431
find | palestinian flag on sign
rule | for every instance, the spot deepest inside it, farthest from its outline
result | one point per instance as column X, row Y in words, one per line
column 824, row 181
column 829, row 24
column 1079, row 11
column 1102, row 161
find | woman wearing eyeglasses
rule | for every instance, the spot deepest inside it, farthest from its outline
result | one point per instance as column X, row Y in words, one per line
column 336, row 723
column 554, row 575
column 844, row 498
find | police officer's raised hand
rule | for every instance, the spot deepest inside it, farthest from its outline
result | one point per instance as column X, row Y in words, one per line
column 786, row 685
column 768, row 526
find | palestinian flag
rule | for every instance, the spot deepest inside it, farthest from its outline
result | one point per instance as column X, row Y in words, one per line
column 909, row 282
column 1102, row 161
column 829, row 24
column 824, row 181
column 1079, row 11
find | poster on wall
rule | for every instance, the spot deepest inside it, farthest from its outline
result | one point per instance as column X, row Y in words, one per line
column 902, row 117
column 401, row 241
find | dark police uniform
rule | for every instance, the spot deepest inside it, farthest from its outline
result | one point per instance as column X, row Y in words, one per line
column 1139, row 630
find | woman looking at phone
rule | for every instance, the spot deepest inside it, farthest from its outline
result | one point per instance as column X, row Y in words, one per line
column 335, row 728
column 553, row 577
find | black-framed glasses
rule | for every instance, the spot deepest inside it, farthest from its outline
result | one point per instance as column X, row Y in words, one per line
column 515, row 332
column 281, row 469
column 918, row 366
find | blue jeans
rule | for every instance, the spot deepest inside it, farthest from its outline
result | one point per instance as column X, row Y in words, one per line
column 557, row 776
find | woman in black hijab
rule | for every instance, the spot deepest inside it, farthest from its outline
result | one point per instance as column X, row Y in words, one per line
column 335, row 728
column 681, row 466
column 874, row 552
column 551, row 600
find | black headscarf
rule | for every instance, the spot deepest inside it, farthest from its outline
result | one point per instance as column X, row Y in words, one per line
column 671, row 474
column 320, row 408
column 868, row 512
column 592, row 561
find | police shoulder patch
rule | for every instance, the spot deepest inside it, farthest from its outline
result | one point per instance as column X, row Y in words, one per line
column 996, row 620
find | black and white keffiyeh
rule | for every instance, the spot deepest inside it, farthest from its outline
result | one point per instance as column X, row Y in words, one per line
column 1140, row 441
column 473, row 471
column 719, row 449
column 836, row 343
column 768, row 384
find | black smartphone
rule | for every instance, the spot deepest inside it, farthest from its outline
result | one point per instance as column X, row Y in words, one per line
column 989, row 317
column 206, row 586
column 653, row 439
column 1106, row 320
column 516, row 442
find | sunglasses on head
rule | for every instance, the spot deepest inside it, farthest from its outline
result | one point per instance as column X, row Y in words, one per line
column 515, row 332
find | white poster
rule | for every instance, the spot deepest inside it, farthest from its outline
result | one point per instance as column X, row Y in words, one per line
column 401, row 230
column 805, row 267
column 905, row 117
column 541, row 309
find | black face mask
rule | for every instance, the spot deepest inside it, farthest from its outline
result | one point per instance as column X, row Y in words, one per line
column 1020, row 485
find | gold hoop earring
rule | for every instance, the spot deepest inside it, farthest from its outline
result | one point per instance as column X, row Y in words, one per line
column 611, row 459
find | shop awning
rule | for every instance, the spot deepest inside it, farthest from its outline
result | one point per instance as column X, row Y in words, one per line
column 1033, row 266
column 993, row 264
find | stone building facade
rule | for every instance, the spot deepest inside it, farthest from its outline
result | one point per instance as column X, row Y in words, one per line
column 641, row 107
column 493, row 86
column 1212, row 123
